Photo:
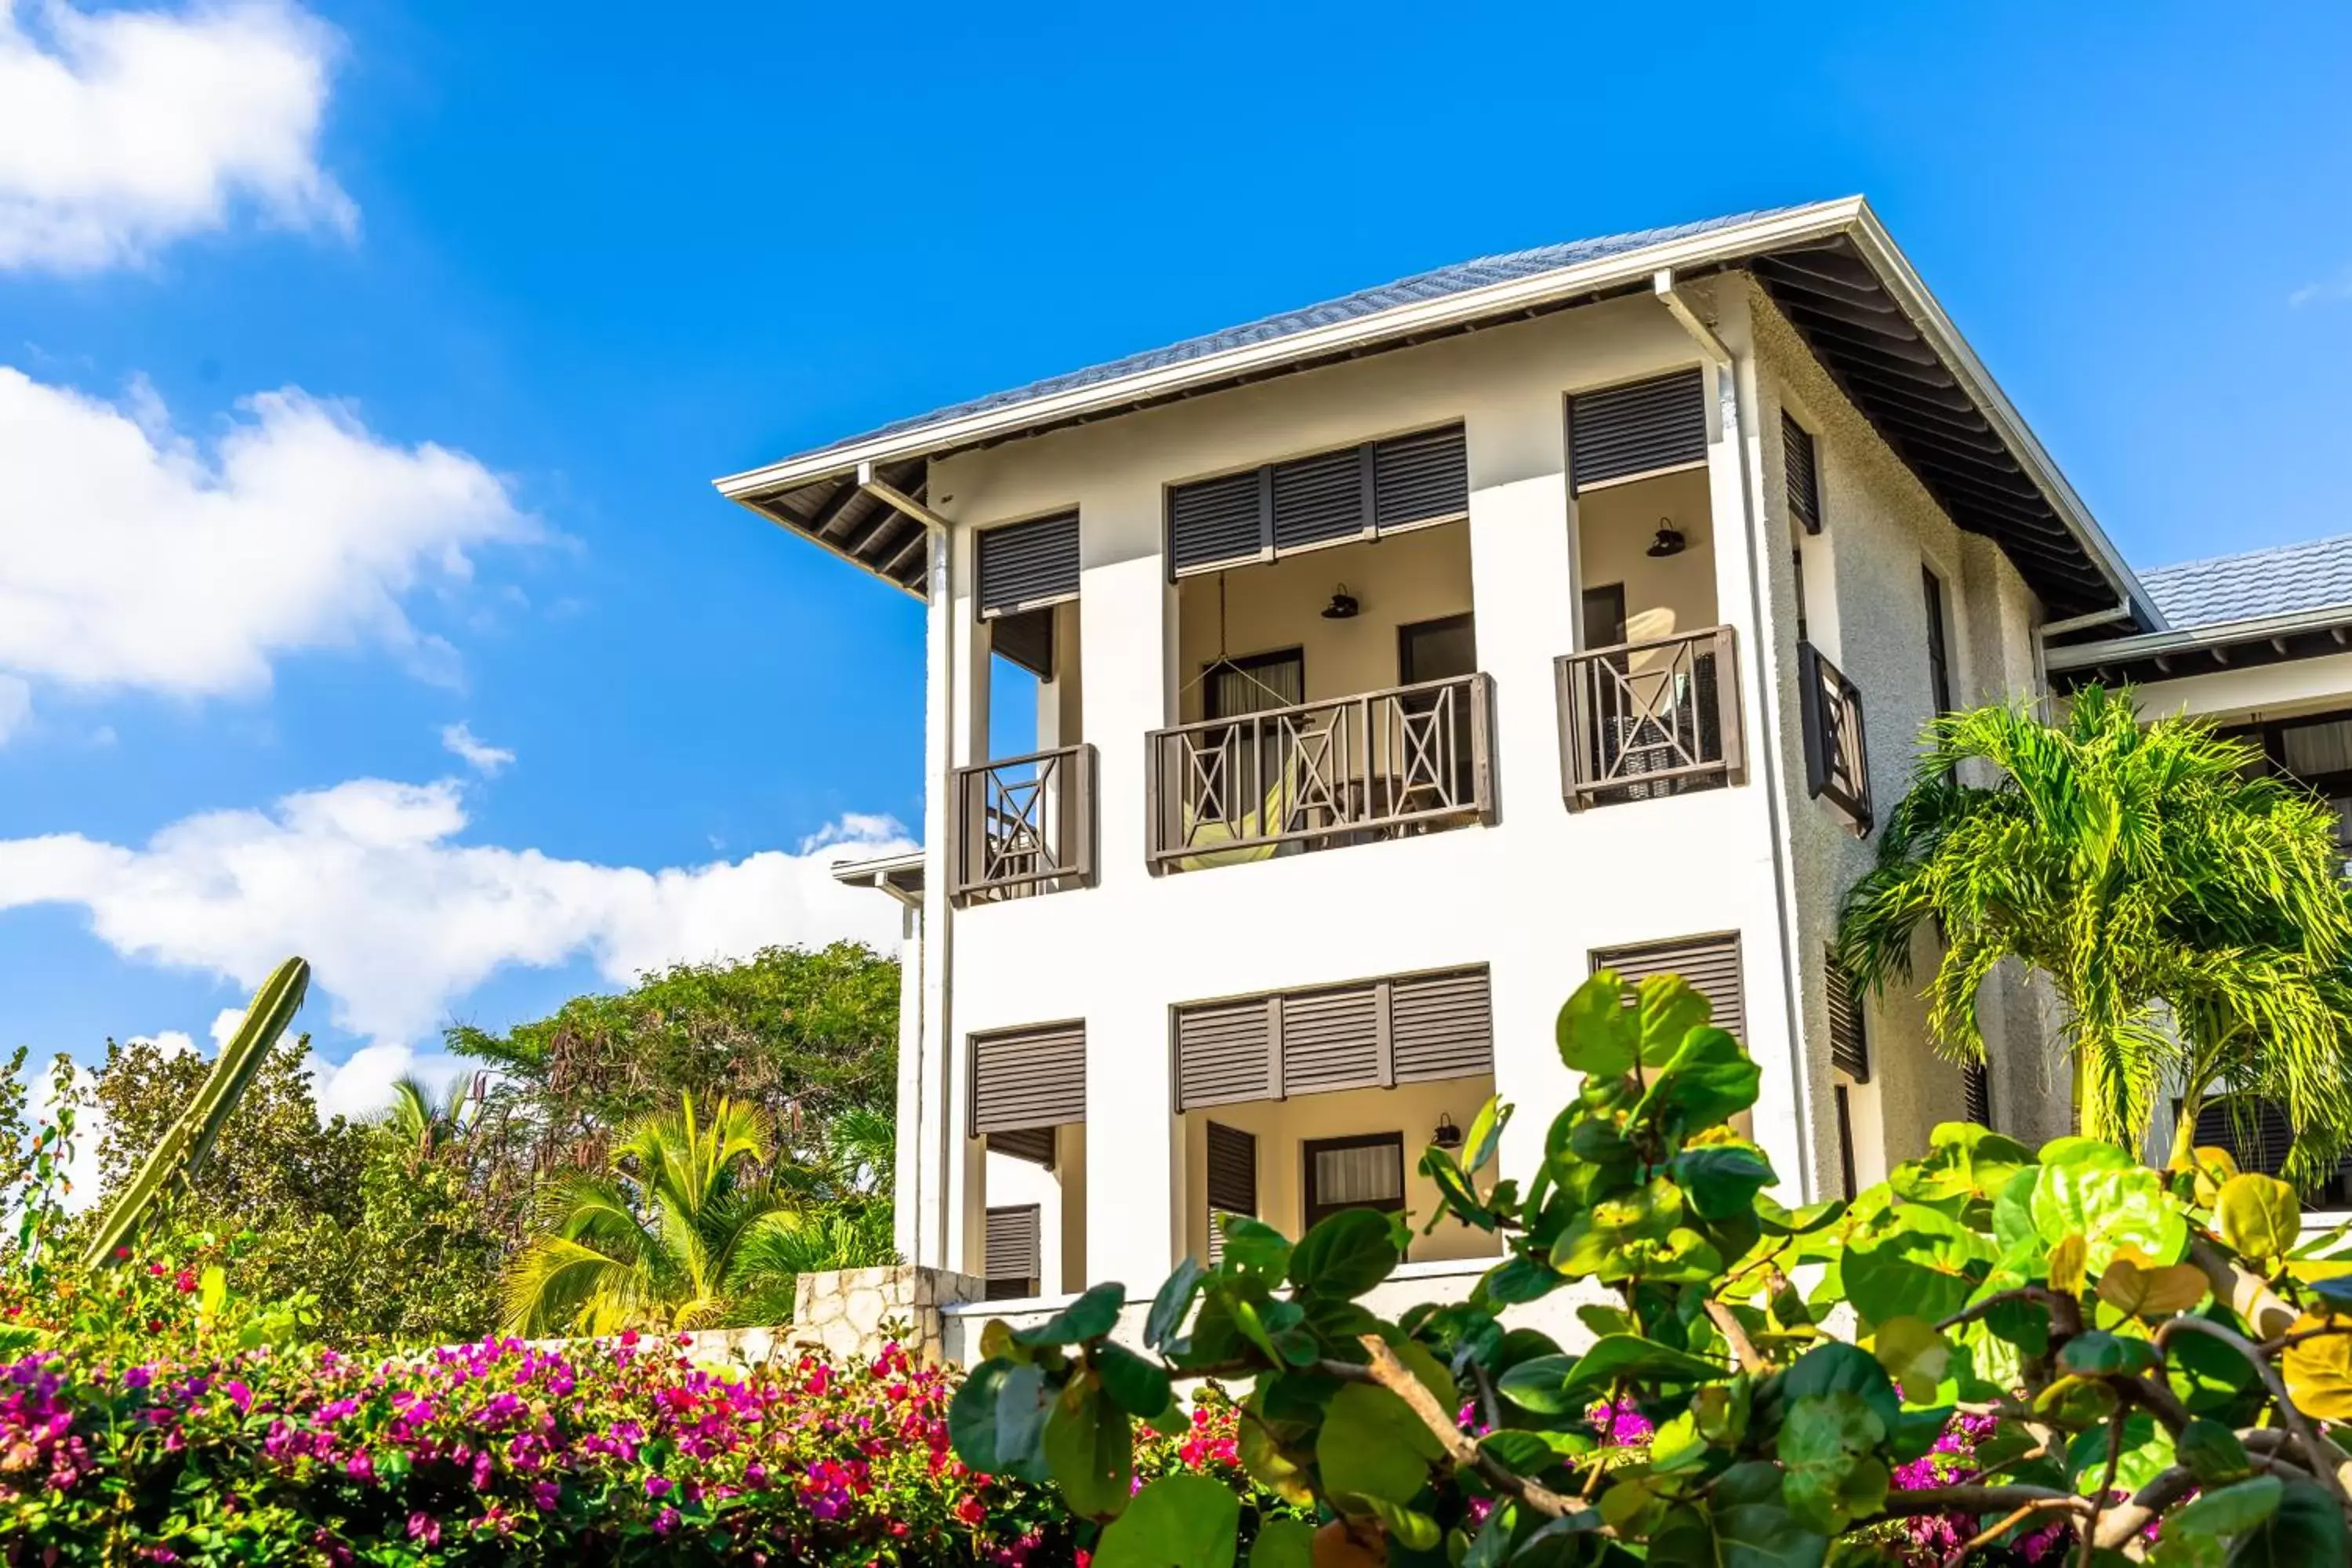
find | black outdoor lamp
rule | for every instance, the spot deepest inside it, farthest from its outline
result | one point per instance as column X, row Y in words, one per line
column 1447, row 1136
column 1669, row 540
column 1343, row 606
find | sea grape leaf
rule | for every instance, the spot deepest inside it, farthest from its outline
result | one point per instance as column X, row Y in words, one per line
column 1181, row 1521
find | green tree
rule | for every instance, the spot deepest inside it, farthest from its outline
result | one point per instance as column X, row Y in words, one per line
column 395, row 1251
column 2190, row 916
column 426, row 1124
column 800, row 1033
column 682, row 1230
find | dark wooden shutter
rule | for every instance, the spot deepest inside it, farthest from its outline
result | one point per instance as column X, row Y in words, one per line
column 1420, row 478
column 1024, row 564
column 1321, row 499
column 1849, row 1041
column 2258, row 1141
column 1028, row 1077
column 1012, row 1258
column 1218, row 522
column 1034, row 1144
column 1976, row 1088
column 1634, row 432
column 1440, row 1027
column 1232, row 1169
column 1354, row 492
column 1225, row 1054
column 1804, row 474
column 1331, row 1039
column 1711, row 964
column 1845, row 1139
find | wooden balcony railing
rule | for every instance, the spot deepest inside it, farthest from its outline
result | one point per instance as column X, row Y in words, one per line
column 1026, row 824
column 1643, row 720
column 1414, row 759
column 1837, row 752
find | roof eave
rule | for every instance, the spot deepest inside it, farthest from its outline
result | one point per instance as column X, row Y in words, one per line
column 2217, row 634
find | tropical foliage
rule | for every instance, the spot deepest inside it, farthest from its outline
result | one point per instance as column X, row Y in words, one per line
column 2190, row 915
column 2056, row 1351
column 694, row 1224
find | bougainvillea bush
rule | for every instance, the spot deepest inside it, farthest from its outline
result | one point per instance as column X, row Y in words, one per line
column 148, row 1417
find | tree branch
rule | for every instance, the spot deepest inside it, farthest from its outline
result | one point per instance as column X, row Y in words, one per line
column 1741, row 1345
column 2314, row 1455
column 2121, row 1524
column 1982, row 1499
column 2257, row 1304
column 1386, row 1370
column 1994, row 1532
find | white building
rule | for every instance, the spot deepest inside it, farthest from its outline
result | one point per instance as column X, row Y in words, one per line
column 1396, row 663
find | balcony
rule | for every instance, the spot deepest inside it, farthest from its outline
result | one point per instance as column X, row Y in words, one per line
column 1024, row 825
column 1646, row 720
column 1318, row 775
column 1837, row 753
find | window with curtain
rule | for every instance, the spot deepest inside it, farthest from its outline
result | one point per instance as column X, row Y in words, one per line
column 1360, row 1172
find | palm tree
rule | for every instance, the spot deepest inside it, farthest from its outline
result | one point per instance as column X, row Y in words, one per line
column 423, row 1122
column 2191, row 916
column 695, row 1224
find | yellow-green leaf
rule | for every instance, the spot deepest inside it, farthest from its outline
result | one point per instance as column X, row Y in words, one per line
column 2318, row 1372
column 2259, row 1216
column 2067, row 1260
column 1914, row 1355
column 2151, row 1292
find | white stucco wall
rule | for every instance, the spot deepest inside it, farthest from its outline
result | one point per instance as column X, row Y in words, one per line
column 1529, row 897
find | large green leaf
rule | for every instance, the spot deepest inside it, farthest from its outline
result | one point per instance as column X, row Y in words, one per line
column 1825, row 1446
column 971, row 1416
column 1174, row 1300
column 2229, row 1510
column 1916, row 1264
column 2147, row 1453
column 1090, row 1451
column 1838, row 1368
column 1253, row 1246
column 2306, row 1530
column 1964, row 1163
column 1345, row 1254
column 1708, row 1080
column 2111, row 1207
column 1372, row 1446
column 1138, row 1386
column 1023, row 1404
column 1558, row 1385
column 1721, row 1179
column 1283, row 1543
column 1668, row 1009
column 1181, row 1521
column 2259, row 1216
column 1094, row 1314
column 1598, row 1036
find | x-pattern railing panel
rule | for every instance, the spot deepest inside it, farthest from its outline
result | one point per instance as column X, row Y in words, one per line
column 1837, row 750
column 1026, row 824
column 1640, row 721
column 1322, row 773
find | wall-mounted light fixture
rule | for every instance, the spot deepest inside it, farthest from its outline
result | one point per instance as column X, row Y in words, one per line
column 1669, row 541
column 1447, row 1136
column 1343, row 606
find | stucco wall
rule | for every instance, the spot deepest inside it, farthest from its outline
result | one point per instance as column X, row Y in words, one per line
column 1866, row 611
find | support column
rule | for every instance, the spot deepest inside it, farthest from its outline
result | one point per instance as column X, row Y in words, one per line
column 1127, row 627
column 929, row 1202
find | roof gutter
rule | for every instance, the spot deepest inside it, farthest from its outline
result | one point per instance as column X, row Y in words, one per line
column 1823, row 220
column 2087, row 656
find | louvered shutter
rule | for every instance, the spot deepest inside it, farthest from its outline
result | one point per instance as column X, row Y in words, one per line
column 1845, row 1139
column 1976, row 1090
column 1355, row 492
column 1440, row 1027
column 1634, row 432
column 1233, row 1181
column 1804, row 474
column 1225, row 1054
column 1028, row 1077
column 1034, row 1144
column 1331, row 1039
column 1217, row 523
column 1849, row 1045
column 1025, row 564
column 1013, row 1254
column 1420, row 478
column 2259, row 1142
column 1711, row 964
column 1319, row 499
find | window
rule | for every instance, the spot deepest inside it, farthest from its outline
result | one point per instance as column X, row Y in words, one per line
column 1804, row 474
column 1939, row 662
column 1436, row 650
column 1366, row 1172
column 1975, row 1087
column 1256, row 683
column 1011, row 1260
column 1637, row 432
column 1604, row 616
column 1025, row 1079
column 1797, row 559
column 1849, row 1040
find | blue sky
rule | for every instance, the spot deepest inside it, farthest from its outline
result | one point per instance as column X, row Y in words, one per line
column 515, row 282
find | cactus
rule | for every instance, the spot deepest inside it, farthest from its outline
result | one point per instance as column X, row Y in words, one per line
column 183, row 1149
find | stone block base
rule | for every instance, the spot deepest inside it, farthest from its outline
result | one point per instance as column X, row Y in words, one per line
column 850, row 1315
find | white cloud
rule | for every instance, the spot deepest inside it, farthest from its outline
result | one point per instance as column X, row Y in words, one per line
column 226, row 1022
column 361, row 1085
column 129, row 557
column 171, row 1042
column 2339, row 287
column 400, row 920
column 16, row 705
column 123, row 129
column 478, row 754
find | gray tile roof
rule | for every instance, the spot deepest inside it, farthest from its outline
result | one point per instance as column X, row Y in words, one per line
column 1458, row 278
column 2313, row 575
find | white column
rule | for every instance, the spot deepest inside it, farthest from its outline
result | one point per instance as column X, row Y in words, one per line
column 931, row 1129
column 1127, row 619
column 906, row 1179
column 1523, row 590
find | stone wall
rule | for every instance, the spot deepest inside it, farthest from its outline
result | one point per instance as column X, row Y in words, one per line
column 851, row 1313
